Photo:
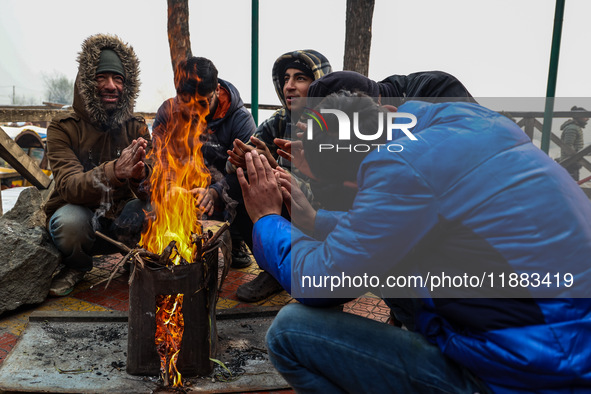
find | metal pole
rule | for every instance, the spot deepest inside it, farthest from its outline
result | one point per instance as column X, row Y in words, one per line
column 551, row 89
column 254, row 109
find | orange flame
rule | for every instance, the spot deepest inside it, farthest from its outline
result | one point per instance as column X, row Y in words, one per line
column 178, row 169
column 169, row 333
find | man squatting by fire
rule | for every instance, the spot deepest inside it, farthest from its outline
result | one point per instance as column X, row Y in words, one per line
column 97, row 155
column 470, row 194
column 201, row 93
column 292, row 74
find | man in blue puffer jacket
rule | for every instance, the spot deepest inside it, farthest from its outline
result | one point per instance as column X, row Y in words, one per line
column 467, row 196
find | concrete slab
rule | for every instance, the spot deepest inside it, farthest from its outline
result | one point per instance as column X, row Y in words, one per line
column 87, row 352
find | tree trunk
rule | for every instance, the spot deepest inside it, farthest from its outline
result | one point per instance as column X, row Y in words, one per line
column 358, row 35
column 178, row 31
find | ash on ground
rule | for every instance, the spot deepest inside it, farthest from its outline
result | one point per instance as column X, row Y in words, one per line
column 238, row 360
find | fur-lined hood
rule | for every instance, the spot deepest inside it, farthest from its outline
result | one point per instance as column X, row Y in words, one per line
column 86, row 101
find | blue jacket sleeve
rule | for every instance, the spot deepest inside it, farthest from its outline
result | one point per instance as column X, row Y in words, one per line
column 271, row 238
column 325, row 223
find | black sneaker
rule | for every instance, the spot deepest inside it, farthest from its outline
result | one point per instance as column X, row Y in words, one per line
column 240, row 256
column 261, row 287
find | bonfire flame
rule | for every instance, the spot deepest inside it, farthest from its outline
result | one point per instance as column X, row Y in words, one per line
column 178, row 168
column 169, row 332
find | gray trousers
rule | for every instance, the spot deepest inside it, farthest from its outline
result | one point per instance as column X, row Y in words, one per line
column 72, row 228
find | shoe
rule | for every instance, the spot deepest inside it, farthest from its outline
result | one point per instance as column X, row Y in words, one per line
column 63, row 283
column 259, row 288
column 240, row 257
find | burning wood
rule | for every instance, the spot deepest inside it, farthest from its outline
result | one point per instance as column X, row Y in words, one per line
column 203, row 243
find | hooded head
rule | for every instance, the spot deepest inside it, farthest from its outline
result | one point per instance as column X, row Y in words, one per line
column 99, row 54
column 339, row 165
column 349, row 81
column 310, row 62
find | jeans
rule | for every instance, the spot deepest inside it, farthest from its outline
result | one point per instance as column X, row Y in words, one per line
column 320, row 350
column 72, row 228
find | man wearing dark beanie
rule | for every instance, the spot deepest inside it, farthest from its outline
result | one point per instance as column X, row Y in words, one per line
column 110, row 62
column 390, row 93
column 97, row 155
column 293, row 72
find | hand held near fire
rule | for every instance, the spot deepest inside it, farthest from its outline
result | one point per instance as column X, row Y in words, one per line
column 236, row 156
column 130, row 165
column 263, row 149
column 294, row 152
column 302, row 214
column 205, row 199
column 261, row 192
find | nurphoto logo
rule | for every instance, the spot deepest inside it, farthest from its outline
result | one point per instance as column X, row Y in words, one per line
column 385, row 124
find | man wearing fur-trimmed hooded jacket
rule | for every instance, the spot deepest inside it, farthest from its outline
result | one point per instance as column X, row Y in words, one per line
column 97, row 156
column 471, row 193
column 292, row 73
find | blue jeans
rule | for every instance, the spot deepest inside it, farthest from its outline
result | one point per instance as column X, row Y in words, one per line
column 321, row 350
column 72, row 228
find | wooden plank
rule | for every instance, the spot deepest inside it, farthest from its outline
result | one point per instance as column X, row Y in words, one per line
column 22, row 114
column 18, row 159
column 577, row 157
column 529, row 127
column 555, row 114
column 28, row 115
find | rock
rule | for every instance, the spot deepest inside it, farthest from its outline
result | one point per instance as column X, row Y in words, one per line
column 27, row 209
column 28, row 257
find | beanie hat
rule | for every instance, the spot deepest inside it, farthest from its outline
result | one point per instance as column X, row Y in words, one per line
column 299, row 65
column 575, row 108
column 110, row 62
column 350, row 81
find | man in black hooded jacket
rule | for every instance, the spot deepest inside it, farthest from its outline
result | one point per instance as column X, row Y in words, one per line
column 197, row 84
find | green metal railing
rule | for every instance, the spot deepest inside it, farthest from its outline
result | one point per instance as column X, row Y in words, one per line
column 553, row 71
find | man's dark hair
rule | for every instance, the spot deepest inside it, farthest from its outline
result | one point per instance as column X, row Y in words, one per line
column 196, row 75
column 339, row 165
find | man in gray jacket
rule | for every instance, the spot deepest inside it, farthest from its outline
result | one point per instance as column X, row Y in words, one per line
column 572, row 136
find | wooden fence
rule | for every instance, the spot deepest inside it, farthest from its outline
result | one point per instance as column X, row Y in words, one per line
column 26, row 167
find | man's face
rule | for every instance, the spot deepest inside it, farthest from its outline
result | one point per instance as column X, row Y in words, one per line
column 582, row 121
column 212, row 100
column 109, row 88
column 295, row 84
column 192, row 105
